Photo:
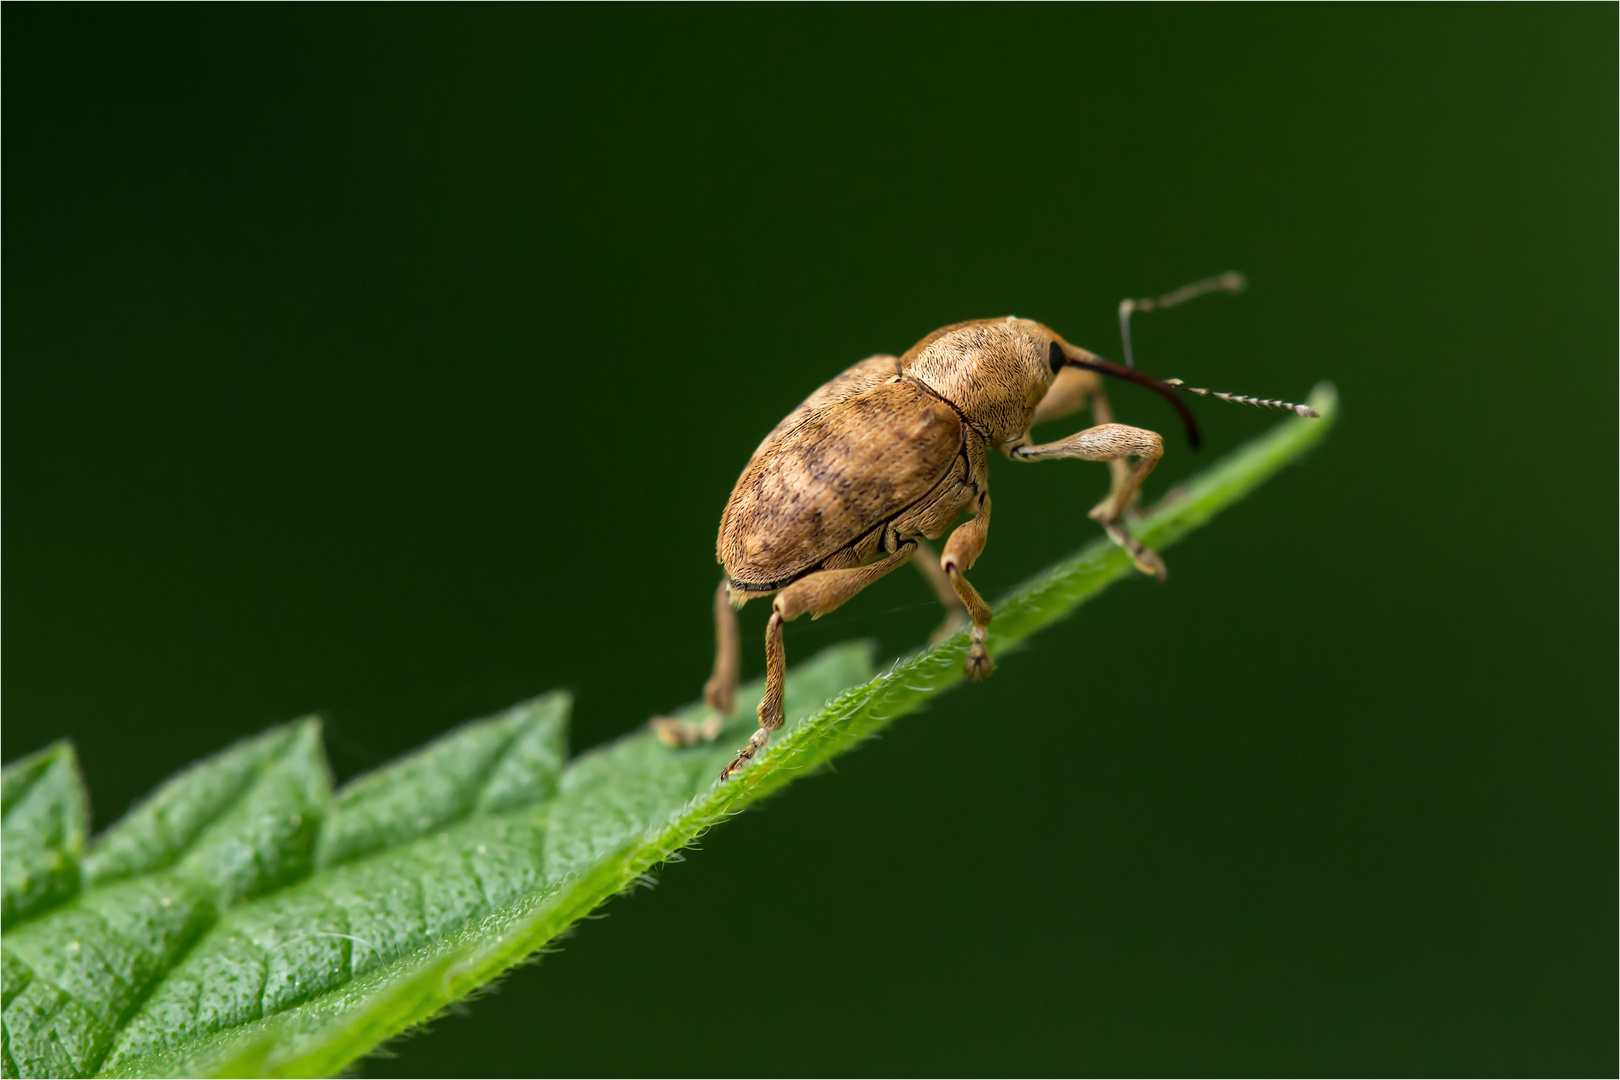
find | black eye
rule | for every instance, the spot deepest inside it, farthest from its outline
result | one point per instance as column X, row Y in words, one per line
column 1054, row 356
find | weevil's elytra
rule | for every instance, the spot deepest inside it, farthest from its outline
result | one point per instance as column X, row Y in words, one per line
column 889, row 454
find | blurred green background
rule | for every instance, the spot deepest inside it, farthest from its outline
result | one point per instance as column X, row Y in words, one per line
column 395, row 363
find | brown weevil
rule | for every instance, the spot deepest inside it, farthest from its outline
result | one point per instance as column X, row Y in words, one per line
column 890, row 453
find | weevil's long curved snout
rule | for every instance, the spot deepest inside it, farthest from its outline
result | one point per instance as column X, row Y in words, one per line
column 1075, row 356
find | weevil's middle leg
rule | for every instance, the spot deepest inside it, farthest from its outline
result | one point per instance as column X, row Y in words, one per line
column 1113, row 443
column 1071, row 391
column 817, row 593
column 1118, row 471
column 962, row 550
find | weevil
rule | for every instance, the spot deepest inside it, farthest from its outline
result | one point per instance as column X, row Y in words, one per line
column 888, row 455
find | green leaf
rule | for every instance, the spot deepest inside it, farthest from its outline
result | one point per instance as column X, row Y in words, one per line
column 44, row 815
column 244, row 923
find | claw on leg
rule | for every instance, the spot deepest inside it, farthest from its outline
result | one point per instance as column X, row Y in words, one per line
column 1146, row 559
column 756, row 742
column 978, row 665
column 675, row 732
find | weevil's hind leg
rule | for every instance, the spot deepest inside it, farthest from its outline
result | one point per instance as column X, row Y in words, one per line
column 817, row 593
column 720, row 692
column 1111, row 443
column 955, row 613
column 961, row 551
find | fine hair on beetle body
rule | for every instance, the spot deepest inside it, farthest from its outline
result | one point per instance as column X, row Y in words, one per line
column 890, row 454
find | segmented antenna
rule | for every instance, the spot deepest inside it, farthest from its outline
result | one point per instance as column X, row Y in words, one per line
column 1242, row 399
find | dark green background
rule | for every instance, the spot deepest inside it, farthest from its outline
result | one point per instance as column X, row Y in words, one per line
column 395, row 364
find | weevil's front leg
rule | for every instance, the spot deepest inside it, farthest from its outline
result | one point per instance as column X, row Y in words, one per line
column 955, row 613
column 818, row 593
column 1111, row 443
column 720, row 692
column 961, row 551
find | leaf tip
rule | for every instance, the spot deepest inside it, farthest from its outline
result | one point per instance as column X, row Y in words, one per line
column 1324, row 400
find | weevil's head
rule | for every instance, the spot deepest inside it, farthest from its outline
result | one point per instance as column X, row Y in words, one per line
column 995, row 371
